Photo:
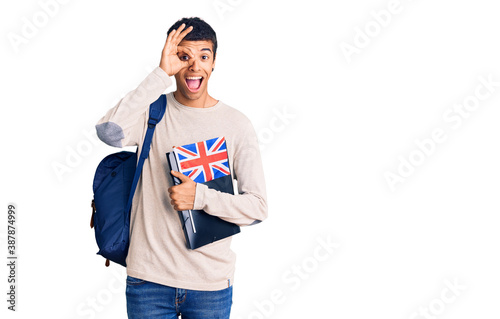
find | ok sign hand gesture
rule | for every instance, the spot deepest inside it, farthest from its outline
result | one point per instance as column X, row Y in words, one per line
column 170, row 61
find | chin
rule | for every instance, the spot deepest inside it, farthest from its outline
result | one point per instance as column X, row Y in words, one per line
column 186, row 93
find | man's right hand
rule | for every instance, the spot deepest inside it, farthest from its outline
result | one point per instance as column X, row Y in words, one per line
column 170, row 61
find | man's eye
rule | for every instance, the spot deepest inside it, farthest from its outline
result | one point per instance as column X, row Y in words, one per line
column 205, row 57
column 184, row 57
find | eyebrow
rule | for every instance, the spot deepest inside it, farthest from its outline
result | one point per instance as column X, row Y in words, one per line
column 206, row 49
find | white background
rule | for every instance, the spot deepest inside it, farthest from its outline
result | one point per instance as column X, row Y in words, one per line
column 348, row 124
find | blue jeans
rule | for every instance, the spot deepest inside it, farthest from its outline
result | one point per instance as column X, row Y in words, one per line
column 151, row 300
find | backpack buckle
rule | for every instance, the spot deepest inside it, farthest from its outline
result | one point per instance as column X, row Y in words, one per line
column 93, row 213
column 152, row 123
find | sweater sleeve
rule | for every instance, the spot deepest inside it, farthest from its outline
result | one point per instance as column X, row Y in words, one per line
column 249, row 206
column 123, row 124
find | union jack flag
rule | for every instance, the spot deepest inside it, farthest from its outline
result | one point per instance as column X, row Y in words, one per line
column 203, row 161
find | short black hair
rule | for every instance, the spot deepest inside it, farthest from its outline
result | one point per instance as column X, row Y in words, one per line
column 201, row 31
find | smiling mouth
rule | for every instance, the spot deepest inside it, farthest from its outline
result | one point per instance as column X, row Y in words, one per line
column 194, row 83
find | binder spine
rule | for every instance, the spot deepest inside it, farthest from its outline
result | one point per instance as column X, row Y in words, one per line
column 185, row 214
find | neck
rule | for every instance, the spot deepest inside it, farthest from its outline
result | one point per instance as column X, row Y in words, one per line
column 203, row 101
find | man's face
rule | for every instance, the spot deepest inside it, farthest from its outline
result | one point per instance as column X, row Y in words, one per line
column 192, row 80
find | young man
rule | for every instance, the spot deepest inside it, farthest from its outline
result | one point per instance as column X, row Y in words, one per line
column 165, row 278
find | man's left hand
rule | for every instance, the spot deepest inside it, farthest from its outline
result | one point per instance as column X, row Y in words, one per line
column 182, row 195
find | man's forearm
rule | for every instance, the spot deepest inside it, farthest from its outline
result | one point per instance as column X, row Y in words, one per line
column 250, row 204
column 116, row 128
column 243, row 209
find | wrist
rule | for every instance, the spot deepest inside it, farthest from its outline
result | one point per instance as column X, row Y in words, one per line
column 165, row 69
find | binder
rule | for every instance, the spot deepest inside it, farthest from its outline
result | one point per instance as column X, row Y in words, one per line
column 201, row 228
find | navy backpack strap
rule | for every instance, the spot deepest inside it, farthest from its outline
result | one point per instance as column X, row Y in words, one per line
column 156, row 111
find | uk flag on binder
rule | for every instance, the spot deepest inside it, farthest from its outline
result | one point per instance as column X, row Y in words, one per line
column 206, row 163
column 203, row 161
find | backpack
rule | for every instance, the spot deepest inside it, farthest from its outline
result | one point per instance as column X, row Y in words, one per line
column 114, row 185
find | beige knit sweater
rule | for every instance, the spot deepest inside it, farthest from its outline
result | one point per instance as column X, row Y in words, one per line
column 158, row 251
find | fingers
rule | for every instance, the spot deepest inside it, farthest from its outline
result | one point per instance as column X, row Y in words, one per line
column 175, row 37
column 180, row 206
column 184, row 33
column 176, row 174
column 182, row 195
column 179, row 34
column 174, row 189
column 181, row 176
column 176, row 34
column 186, row 50
column 169, row 38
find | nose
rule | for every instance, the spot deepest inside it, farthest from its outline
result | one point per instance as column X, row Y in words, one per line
column 195, row 65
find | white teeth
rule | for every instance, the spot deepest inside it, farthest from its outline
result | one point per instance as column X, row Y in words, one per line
column 194, row 77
